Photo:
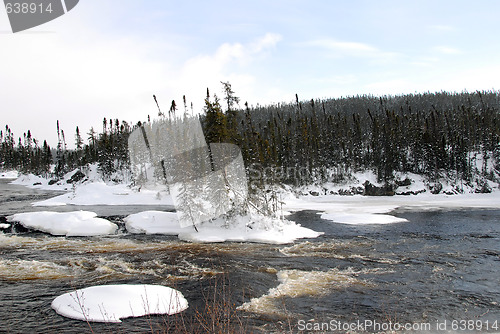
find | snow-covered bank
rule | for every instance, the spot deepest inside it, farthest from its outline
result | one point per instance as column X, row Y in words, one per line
column 9, row 175
column 77, row 223
column 110, row 303
column 345, row 203
column 365, row 183
column 101, row 193
column 43, row 183
column 88, row 188
column 360, row 209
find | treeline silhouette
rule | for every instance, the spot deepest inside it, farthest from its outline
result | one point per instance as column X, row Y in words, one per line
column 108, row 149
column 453, row 135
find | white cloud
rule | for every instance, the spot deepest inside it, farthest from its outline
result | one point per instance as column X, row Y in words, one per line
column 338, row 48
column 446, row 50
column 78, row 76
column 442, row 28
column 345, row 48
column 269, row 40
column 45, row 78
column 230, row 62
column 425, row 61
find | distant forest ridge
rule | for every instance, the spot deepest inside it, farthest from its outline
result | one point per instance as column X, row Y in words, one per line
column 453, row 135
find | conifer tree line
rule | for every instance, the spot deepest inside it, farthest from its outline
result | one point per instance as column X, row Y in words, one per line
column 432, row 134
column 108, row 149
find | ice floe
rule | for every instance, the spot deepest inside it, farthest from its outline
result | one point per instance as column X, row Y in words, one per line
column 240, row 228
column 110, row 303
column 361, row 210
column 75, row 223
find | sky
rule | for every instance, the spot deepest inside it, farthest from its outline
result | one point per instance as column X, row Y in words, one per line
column 106, row 58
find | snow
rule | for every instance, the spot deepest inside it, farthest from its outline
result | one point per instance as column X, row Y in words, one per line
column 9, row 175
column 110, row 303
column 37, row 182
column 4, row 226
column 153, row 222
column 359, row 210
column 76, row 223
column 353, row 210
column 361, row 219
column 92, row 190
column 239, row 229
column 101, row 193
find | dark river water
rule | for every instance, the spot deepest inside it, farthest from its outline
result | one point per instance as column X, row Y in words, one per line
column 440, row 269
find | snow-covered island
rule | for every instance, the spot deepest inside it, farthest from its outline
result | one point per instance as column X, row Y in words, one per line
column 110, row 303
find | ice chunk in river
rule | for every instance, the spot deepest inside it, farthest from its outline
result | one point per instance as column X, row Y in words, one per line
column 75, row 223
column 110, row 303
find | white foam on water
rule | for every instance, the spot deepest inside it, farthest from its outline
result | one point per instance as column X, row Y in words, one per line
column 93, row 245
column 297, row 283
column 334, row 249
column 113, row 244
column 110, row 303
column 112, row 268
column 104, row 267
column 326, row 249
column 20, row 270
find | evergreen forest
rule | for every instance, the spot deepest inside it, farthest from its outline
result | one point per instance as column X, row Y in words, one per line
column 437, row 135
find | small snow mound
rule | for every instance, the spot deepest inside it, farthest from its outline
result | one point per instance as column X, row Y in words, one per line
column 153, row 222
column 76, row 223
column 110, row 303
column 9, row 175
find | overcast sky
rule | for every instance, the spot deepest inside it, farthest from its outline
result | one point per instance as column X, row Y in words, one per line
column 106, row 58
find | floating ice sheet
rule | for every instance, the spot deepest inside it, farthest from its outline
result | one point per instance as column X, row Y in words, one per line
column 76, row 223
column 110, row 303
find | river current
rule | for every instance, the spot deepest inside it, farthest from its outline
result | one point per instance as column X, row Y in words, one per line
column 440, row 267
